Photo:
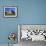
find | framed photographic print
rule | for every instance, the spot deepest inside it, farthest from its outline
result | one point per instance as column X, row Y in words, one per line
column 10, row 11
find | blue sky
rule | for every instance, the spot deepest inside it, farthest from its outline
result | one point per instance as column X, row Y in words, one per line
column 9, row 9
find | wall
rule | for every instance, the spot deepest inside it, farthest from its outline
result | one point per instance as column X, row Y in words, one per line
column 7, row 25
column 29, row 12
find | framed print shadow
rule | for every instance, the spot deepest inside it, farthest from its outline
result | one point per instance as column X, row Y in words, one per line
column 10, row 11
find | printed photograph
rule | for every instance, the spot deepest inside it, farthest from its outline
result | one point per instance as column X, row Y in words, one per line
column 10, row 12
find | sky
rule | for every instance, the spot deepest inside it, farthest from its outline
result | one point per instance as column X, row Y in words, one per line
column 9, row 9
